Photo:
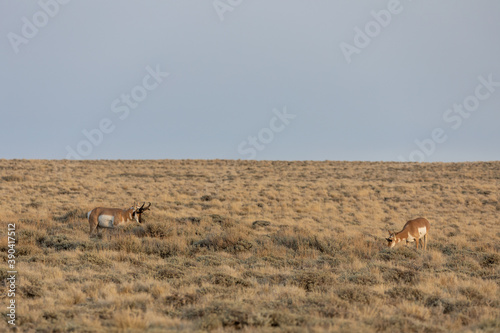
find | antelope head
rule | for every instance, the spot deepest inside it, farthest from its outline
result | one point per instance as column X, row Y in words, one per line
column 138, row 210
column 391, row 240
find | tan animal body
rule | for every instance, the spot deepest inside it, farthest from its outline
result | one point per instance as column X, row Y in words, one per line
column 413, row 231
column 114, row 217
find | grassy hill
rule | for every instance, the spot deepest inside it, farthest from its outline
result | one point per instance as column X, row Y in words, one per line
column 267, row 246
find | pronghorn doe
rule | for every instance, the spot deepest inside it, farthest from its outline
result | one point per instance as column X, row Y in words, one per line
column 412, row 232
column 114, row 217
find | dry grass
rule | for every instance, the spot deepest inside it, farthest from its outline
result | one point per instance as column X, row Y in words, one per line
column 315, row 261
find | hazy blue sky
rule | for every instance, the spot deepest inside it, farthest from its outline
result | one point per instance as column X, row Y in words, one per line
column 284, row 79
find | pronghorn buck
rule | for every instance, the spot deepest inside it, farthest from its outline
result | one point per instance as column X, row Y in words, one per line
column 412, row 232
column 114, row 217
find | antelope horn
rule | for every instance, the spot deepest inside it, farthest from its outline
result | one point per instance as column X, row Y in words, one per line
column 143, row 205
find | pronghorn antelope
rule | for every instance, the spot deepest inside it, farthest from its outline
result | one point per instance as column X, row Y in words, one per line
column 412, row 232
column 113, row 217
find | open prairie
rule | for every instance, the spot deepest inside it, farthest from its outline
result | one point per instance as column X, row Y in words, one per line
column 256, row 246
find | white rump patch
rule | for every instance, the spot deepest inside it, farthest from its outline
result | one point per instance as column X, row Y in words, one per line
column 422, row 231
column 106, row 221
column 88, row 215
